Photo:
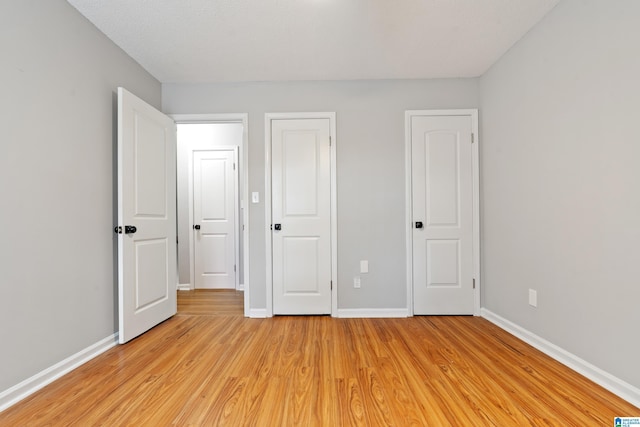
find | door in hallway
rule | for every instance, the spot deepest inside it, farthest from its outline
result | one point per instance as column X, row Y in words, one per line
column 215, row 208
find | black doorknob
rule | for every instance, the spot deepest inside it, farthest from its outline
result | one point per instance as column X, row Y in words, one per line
column 418, row 224
column 277, row 227
column 130, row 229
column 196, row 227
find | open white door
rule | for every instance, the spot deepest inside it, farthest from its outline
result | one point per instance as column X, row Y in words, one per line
column 146, row 216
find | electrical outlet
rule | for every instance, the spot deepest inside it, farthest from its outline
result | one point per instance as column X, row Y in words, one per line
column 533, row 298
column 356, row 282
column 364, row 266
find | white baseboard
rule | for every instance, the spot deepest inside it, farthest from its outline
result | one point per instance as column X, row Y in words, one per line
column 372, row 312
column 29, row 386
column 184, row 286
column 260, row 313
column 615, row 385
column 349, row 312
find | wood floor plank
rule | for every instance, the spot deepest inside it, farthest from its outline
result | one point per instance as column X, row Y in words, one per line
column 350, row 403
column 403, row 402
column 210, row 366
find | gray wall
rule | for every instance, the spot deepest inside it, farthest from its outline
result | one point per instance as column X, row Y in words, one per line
column 57, row 289
column 370, row 167
column 560, row 197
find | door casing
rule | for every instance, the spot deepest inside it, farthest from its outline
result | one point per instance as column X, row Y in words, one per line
column 473, row 113
column 268, row 118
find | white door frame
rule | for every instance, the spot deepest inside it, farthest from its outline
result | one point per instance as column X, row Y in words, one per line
column 473, row 113
column 243, row 162
column 268, row 117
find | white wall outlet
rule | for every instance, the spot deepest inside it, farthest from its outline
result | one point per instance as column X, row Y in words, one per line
column 364, row 266
column 255, row 197
column 356, row 282
column 533, row 298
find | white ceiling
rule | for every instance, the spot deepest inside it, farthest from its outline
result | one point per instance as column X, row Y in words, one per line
column 195, row 41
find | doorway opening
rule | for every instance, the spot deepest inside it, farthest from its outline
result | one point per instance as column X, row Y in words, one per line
column 212, row 211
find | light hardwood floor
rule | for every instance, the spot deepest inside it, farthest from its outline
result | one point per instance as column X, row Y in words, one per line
column 210, row 366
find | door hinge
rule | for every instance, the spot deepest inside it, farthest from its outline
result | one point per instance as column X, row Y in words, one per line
column 473, row 138
column 331, row 284
column 330, row 142
column 234, row 166
column 474, row 283
column 234, row 268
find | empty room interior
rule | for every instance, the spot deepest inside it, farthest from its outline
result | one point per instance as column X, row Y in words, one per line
column 369, row 212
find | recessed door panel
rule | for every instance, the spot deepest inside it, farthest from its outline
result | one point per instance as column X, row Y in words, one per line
column 299, row 265
column 152, row 283
column 214, row 195
column 442, row 195
column 299, row 151
column 149, row 176
column 214, row 254
column 443, row 263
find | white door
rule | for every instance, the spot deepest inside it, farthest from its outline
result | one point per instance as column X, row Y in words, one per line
column 214, row 217
column 301, row 216
column 146, row 216
column 442, row 213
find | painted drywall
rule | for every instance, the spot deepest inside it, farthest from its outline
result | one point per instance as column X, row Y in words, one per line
column 200, row 136
column 560, row 199
column 57, row 291
column 370, row 167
